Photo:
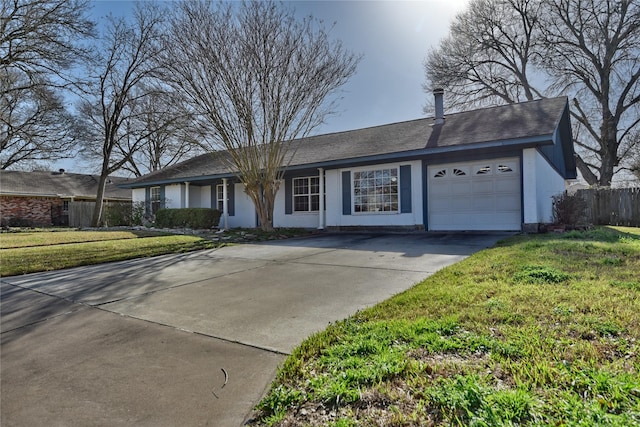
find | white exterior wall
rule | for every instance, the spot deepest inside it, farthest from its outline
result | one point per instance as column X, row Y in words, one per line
column 540, row 182
column 245, row 212
column 173, row 196
column 529, row 196
column 296, row 219
column 205, row 196
column 335, row 218
column 138, row 195
column 549, row 183
column 194, row 196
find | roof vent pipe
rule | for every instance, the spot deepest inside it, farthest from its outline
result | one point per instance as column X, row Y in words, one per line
column 438, row 94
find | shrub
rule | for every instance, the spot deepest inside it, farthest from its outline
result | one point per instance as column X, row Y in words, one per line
column 188, row 218
column 118, row 213
column 138, row 213
column 19, row 222
column 569, row 209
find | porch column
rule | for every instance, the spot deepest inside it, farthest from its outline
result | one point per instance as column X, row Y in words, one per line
column 186, row 195
column 225, row 204
column 321, row 197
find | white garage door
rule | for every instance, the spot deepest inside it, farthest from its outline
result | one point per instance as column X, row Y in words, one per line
column 483, row 195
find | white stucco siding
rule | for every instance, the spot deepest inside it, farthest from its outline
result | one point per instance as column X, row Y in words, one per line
column 296, row 219
column 336, row 218
column 194, row 196
column 205, row 196
column 173, row 196
column 540, row 183
column 549, row 183
column 245, row 212
column 333, row 190
column 138, row 195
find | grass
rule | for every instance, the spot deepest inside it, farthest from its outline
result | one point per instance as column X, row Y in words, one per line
column 539, row 330
column 32, row 252
column 63, row 236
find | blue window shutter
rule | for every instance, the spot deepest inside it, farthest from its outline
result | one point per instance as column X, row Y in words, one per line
column 214, row 195
column 346, row 193
column 231, row 203
column 405, row 189
column 288, row 196
column 162, row 197
column 147, row 200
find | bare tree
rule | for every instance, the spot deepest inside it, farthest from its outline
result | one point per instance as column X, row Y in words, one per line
column 34, row 125
column 504, row 51
column 257, row 77
column 40, row 42
column 488, row 56
column 126, row 65
column 593, row 52
column 156, row 132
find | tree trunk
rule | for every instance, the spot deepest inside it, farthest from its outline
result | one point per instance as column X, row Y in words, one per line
column 97, row 211
column 610, row 144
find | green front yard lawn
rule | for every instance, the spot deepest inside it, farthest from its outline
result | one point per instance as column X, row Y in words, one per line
column 46, row 237
column 539, row 330
column 30, row 252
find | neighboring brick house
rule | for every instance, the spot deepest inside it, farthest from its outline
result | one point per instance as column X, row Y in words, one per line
column 43, row 198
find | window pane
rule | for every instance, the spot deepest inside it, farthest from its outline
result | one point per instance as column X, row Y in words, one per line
column 301, row 203
column 315, row 203
column 306, row 194
column 155, row 193
column 375, row 190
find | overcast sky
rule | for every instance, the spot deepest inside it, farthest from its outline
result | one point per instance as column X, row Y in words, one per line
column 392, row 36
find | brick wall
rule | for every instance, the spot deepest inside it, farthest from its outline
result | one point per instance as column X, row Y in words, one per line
column 36, row 210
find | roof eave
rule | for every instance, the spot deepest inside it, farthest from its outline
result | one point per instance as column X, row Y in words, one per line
column 527, row 142
column 179, row 180
column 423, row 152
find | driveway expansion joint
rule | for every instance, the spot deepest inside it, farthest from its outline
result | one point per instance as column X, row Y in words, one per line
column 202, row 334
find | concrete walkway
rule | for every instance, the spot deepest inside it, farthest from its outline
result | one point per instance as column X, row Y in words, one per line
column 191, row 339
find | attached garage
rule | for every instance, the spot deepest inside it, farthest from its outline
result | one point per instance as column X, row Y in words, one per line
column 480, row 195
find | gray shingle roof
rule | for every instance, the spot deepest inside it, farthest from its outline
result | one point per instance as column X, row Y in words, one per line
column 514, row 122
column 56, row 184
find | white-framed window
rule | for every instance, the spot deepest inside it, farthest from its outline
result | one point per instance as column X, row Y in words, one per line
column 65, row 206
column 155, row 199
column 306, row 194
column 376, row 190
column 220, row 197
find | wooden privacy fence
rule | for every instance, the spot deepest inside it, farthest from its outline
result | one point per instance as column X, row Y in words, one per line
column 113, row 213
column 80, row 213
column 612, row 206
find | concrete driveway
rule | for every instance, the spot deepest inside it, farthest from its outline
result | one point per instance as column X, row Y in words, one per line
column 191, row 339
